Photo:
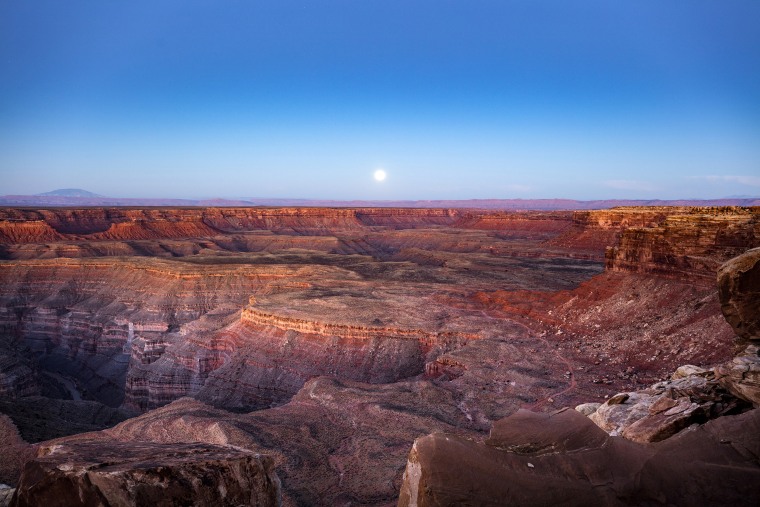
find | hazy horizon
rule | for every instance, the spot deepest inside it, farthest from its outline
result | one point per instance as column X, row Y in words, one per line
column 480, row 100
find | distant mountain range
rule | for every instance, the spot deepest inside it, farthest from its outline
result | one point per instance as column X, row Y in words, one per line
column 69, row 192
column 74, row 197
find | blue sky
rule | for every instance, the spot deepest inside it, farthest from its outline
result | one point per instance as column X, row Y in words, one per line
column 454, row 99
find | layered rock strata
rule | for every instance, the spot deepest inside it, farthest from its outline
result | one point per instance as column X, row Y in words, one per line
column 739, row 291
column 689, row 245
column 268, row 355
column 86, row 319
column 145, row 332
column 367, row 330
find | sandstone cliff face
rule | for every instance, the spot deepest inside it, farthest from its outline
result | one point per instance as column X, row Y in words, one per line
column 82, row 317
column 691, row 245
column 15, row 231
column 589, row 232
column 30, row 234
column 525, row 224
column 739, row 291
column 594, row 230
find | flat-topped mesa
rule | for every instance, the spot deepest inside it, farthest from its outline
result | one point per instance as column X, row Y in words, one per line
column 356, row 316
column 265, row 358
column 691, row 244
column 252, row 315
column 19, row 226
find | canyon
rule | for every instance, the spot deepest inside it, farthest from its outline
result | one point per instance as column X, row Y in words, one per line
column 319, row 343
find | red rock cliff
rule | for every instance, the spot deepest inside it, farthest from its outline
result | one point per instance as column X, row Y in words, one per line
column 691, row 243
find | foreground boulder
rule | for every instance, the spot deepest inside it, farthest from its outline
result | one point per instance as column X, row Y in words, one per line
column 739, row 292
column 741, row 375
column 691, row 396
column 138, row 474
column 565, row 459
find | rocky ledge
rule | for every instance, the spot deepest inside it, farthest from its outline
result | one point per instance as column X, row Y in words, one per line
column 565, row 459
column 739, row 290
column 137, row 474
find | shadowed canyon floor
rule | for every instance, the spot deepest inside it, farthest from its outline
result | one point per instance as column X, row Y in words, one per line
column 331, row 339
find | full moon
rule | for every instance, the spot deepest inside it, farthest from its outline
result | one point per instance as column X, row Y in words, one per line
column 380, row 175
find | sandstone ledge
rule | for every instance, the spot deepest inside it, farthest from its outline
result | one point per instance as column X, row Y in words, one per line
column 138, row 474
column 564, row 459
column 263, row 318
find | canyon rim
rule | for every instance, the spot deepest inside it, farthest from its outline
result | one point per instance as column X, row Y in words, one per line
column 294, row 355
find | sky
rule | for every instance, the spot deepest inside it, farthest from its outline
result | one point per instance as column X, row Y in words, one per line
column 589, row 99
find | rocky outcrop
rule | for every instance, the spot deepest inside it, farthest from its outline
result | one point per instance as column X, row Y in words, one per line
column 664, row 409
column 741, row 375
column 739, row 289
column 564, row 459
column 701, row 420
column 6, row 493
column 694, row 394
column 691, row 245
column 137, row 474
column 739, row 292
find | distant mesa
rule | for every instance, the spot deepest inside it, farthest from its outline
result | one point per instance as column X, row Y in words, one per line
column 70, row 192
